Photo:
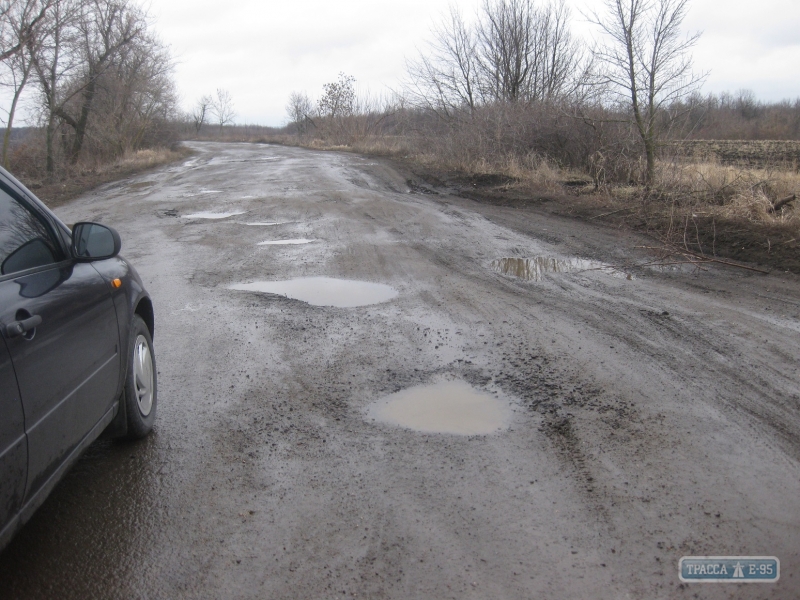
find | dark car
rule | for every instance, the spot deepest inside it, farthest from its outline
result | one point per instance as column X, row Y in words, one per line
column 76, row 348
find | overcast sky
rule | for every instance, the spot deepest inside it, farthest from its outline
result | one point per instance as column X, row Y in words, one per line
column 262, row 51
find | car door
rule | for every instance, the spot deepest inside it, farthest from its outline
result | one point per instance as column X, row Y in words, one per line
column 67, row 363
column 13, row 447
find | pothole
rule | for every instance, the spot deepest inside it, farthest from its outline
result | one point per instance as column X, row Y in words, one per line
column 535, row 269
column 263, row 224
column 324, row 291
column 295, row 241
column 140, row 185
column 213, row 215
column 446, row 407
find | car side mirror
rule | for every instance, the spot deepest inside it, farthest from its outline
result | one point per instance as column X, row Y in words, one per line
column 92, row 241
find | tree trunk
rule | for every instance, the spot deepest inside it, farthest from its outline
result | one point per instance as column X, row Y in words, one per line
column 650, row 156
column 80, row 126
column 12, row 110
column 51, row 164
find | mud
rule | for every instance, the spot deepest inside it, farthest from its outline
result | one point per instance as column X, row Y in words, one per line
column 648, row 419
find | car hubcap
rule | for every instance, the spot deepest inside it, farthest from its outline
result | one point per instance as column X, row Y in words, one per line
column 143, row 375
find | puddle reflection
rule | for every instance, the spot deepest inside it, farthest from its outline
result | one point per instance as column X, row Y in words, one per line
column 324, row 291
column 446, row 407
column 534, row 269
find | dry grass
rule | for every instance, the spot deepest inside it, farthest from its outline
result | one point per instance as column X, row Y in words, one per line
column 733, row 192
column 143, row 159
column 85, row 177
column 711, row 209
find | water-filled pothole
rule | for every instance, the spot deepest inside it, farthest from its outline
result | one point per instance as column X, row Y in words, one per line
column 534, row 269
column 201, row 193
column 213, row 215
column 445, row 407
column 293, row 242
column 324, row 291
column 139, row 185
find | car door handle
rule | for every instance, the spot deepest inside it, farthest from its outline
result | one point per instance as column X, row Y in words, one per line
column 21, row 327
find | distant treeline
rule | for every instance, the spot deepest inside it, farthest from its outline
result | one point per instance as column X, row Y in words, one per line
column 94, row 76
column 739, row 116
column 513, row 88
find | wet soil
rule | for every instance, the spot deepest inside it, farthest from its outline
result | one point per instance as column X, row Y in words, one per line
column 769, row 246
column 648, row 418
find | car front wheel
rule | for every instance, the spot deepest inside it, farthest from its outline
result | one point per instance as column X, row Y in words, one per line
column 140, row 385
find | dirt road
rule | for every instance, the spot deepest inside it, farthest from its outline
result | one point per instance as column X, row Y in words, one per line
column 641, row 414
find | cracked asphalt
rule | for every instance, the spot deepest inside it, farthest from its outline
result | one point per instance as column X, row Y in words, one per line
column 651, row 417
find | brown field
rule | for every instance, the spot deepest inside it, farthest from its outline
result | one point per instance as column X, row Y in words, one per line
column 740, row 152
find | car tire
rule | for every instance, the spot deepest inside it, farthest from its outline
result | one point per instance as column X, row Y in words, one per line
column 141, row 386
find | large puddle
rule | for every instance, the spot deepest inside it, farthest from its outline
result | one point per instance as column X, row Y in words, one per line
column 324, row 291
column 213, row 215
column 293, row 242
column 201, row 193
column 446, row 407
column 534, row 269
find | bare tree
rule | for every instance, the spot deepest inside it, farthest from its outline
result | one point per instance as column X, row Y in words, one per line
column 527, row 53
column 105, row 81
column 136, row 97
column 647, row 63
column 561, row 64
column 105, row 27
column 222, row 108
column 201, row 112
column 507, row 42
column 445, row 77
column 54, row 59
column 516, row 52
column 299, row 110
column 339, row 98
column 21, row 22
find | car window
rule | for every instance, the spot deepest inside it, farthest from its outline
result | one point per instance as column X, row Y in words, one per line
column 25, row 239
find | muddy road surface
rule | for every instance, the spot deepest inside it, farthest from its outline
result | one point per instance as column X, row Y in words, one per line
column 370, row 388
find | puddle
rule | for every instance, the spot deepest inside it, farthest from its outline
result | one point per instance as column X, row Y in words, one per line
column 446, row 407
column 214, row 215
column 140, row 185
column 201, row 193
column 324, row 291
column 534, row 269
column 285, row 242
